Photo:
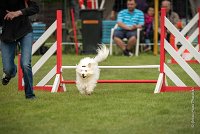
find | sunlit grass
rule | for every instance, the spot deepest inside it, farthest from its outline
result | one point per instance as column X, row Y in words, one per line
column 111, row 109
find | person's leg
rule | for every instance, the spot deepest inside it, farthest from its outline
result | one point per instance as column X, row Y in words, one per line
column 131, row 35
column 148, row 46
column 118, row 36
column 26, row 55
column 120, row 43
column 9, row 67
column 131, row 42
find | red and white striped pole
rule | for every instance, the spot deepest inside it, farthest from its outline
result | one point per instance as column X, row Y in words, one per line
column 59, row 41
column 162, row 50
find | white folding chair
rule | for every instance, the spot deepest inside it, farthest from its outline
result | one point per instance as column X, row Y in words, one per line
column 137, row 42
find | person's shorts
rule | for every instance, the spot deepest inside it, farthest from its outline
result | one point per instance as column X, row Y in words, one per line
column 124, row 33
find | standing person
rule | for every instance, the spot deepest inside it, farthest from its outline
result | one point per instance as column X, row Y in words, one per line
column 149, row 17
column 117, row 6
column 128, row 21
column 16, row 28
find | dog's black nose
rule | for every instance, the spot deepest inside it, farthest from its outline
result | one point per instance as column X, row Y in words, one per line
column 83, row 76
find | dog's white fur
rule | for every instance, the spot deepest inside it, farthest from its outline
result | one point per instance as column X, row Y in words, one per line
column 87, row 71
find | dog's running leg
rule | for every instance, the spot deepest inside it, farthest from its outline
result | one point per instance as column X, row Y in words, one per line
column 90, row 89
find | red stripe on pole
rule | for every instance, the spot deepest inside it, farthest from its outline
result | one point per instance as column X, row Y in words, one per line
column 188, row 61
column 74, row 30
column 162, row 50
column 46, row 88
column 59, row 41
column 114, row 81
column 177, row 89
column 162, row 27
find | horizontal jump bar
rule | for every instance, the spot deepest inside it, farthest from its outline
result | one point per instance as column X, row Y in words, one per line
column 114, row 81
column 119, row 67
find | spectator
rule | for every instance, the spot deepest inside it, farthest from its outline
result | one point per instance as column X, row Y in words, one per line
column 141, row 5
column 122, row 4
column 74, row 4
column 16, row 28
column 172, row 16
column 128, row 21
column 118, row 6
column 149, row 17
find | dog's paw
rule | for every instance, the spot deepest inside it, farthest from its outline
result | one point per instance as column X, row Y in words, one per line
column 81, row 91
column 88, row 93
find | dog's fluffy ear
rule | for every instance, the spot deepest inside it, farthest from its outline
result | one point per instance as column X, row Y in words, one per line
column 77, row 68
column 90, row 65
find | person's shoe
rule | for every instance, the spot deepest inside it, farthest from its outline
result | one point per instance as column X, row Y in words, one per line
column 5, row 79
column 148, row 48
column 125, row 53
column 31, row 98
column 128, row 53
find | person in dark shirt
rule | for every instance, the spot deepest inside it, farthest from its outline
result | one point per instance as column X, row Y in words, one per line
column 117, row 6
column 16, row 29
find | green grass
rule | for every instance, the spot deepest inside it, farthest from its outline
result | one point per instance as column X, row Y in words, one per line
column 111, row 109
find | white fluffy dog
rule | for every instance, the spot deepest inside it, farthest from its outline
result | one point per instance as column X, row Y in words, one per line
column 87, row 71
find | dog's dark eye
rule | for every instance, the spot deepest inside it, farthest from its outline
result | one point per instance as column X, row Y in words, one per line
column 85, row 70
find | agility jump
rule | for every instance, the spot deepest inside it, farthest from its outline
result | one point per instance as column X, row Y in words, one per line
column 166, row 47
column 59, row 82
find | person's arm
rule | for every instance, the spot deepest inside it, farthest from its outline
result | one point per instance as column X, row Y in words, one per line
column 124, row 26
column 113, row 15
column 32, row 8
column 11, row 15
column 114, row 10
column 28, row 11
column 140, row 21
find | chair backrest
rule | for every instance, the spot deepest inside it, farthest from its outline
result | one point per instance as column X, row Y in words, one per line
column 107, row 25
column 38, row 29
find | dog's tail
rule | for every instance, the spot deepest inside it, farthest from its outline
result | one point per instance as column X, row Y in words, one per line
column 102, row 53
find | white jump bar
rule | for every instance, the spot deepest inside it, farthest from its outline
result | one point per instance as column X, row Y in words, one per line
column 119, row 67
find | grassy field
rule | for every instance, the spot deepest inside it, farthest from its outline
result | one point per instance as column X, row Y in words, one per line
column 112, row 109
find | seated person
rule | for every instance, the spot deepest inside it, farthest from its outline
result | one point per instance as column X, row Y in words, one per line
column 128, row 21
column 171, row 15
